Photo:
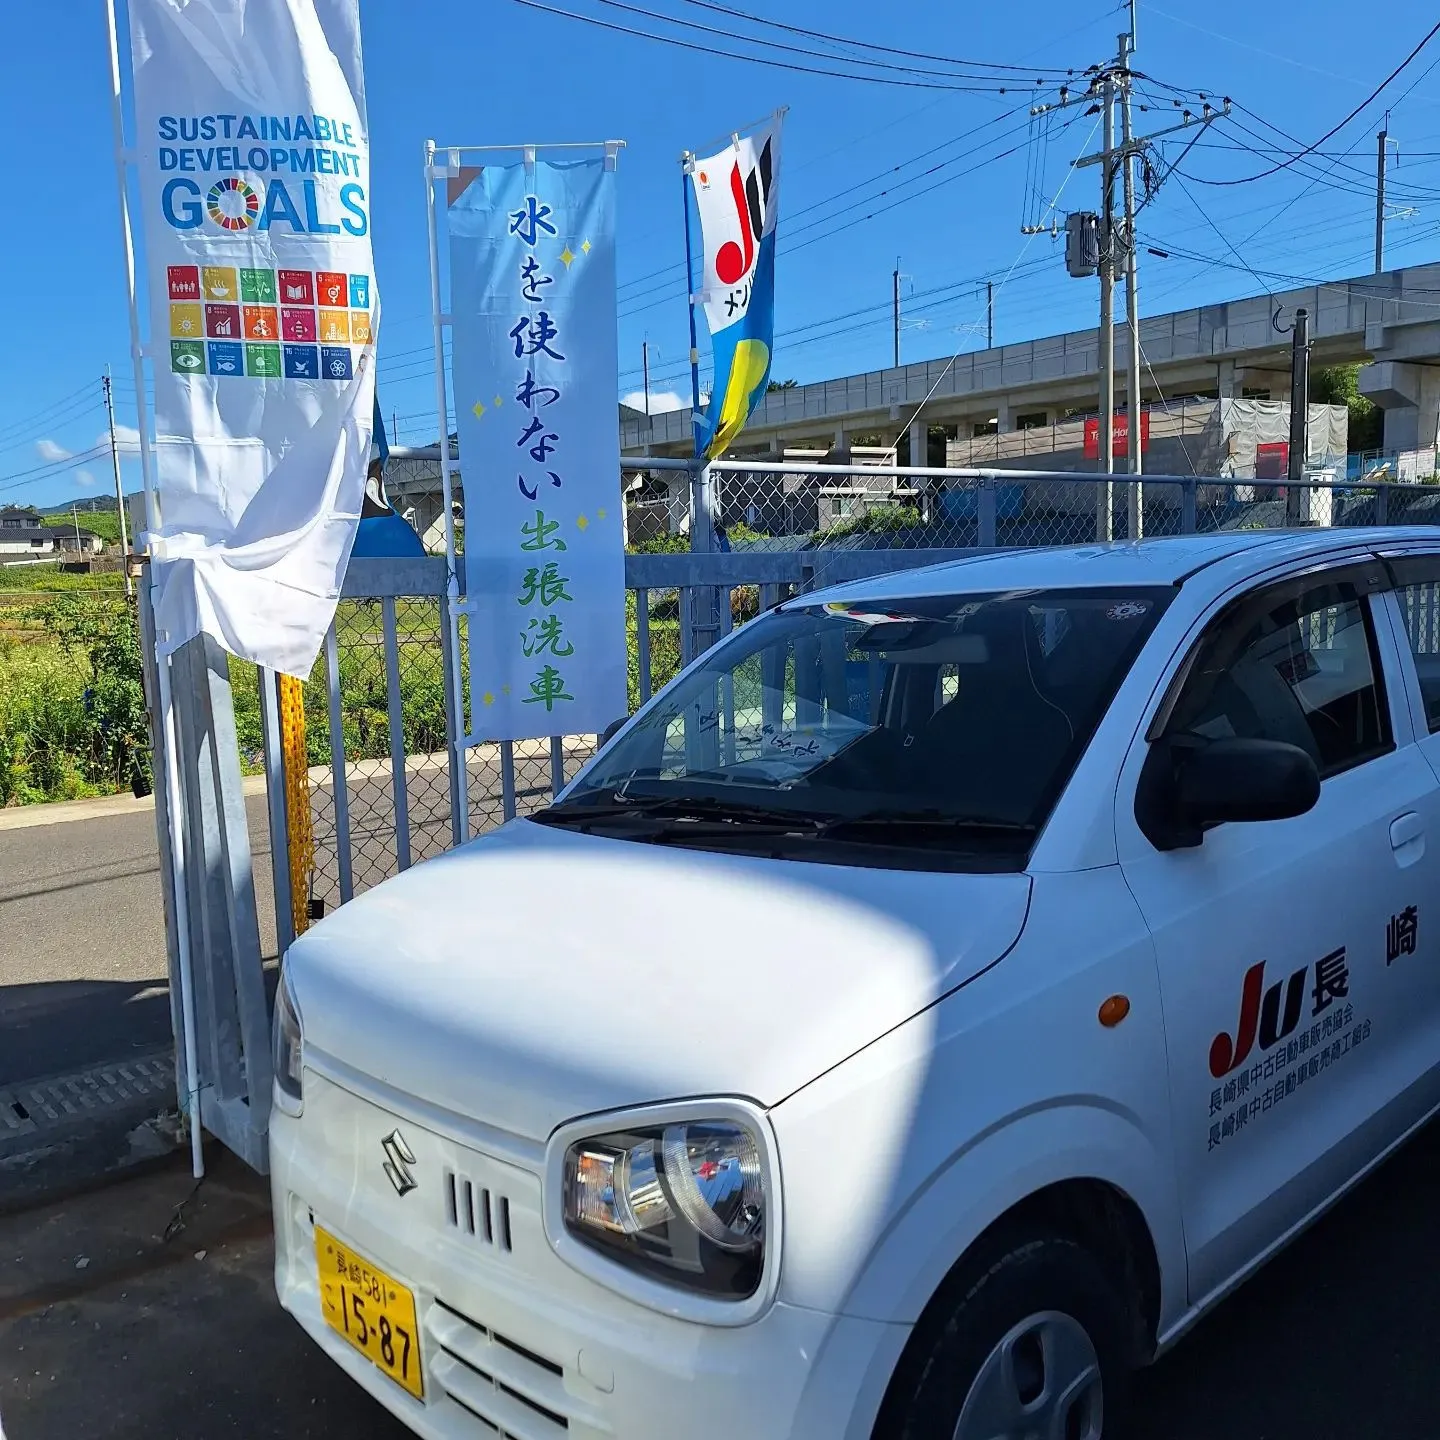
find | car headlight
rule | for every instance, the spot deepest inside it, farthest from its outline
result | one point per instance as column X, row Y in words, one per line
column 288, row 1044
column 683, row 1203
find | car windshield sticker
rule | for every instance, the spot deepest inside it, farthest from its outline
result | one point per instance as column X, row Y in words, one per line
column 838, row 610
column 1128, row 610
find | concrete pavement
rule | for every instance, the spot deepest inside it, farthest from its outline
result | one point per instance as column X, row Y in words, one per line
column 110, row 1332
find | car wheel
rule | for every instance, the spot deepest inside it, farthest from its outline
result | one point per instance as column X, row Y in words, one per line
column 1032, row 1347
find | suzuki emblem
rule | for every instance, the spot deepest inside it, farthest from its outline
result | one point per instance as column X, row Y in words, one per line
column 398, row 1160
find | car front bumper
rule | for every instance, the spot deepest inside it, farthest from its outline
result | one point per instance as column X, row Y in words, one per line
column 513, row 1340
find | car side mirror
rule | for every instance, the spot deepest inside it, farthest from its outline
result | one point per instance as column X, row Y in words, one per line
column 1187, row 788
column 612, row 729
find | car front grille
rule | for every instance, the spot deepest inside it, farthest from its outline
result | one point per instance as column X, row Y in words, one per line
column 509, row 1390
column 477, row 1211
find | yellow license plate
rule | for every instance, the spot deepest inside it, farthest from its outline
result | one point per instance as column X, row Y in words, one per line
column 373, row 1312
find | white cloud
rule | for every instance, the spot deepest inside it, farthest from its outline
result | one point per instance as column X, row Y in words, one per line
column 50, row 452
column 85, row 479
column 659, row 400
column 127, row 440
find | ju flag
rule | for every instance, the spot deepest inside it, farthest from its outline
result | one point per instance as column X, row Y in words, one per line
column 736, row 194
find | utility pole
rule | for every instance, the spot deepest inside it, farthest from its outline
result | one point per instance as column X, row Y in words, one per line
column 989, row 314
column 1381, row 140
column 1104, row 523
column 896, row 309
column 1136, row 507
column 1113, row 82
column 645, row 365
column 119, row 489
column 1299, row 413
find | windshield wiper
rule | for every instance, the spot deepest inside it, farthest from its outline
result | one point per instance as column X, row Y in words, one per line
column 680, row 809
column 919, row 821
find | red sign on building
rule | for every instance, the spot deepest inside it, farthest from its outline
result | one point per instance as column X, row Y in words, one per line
column 1272, row 460
column 1121, row 433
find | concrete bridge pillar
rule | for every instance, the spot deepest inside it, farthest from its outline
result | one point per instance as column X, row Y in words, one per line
column 1409, row 394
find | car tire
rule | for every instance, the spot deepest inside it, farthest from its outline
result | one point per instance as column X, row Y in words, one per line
column 1028, row 1339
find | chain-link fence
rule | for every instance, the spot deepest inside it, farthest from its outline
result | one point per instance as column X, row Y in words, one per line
column 379, row 733
column 794, row 508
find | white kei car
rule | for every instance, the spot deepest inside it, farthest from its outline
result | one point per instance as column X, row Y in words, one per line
column 931, row 1002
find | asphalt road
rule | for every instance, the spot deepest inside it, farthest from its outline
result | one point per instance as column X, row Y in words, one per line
column 82, row 940
column 185, row 1341
column 82, row 933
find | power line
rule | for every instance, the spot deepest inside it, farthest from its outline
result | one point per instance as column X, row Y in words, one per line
column 793, row 49
column 23, row 478
column 867, row 44
column 1364, row 184
column 788, row 246
column 884, row 174
column 44, row 416
column 1334, row 130
column 950, row 364
column 86, row 406
column 756, row 59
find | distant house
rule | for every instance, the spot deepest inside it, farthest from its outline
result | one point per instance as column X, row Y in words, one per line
column 87, row 542
column 22, row 534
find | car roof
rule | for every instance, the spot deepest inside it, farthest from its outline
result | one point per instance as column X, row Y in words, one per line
column 1163, row 561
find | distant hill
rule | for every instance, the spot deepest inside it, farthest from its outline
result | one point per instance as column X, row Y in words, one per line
column 92, row 504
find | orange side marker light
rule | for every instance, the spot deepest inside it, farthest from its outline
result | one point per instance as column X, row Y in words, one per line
column 1114, row 1010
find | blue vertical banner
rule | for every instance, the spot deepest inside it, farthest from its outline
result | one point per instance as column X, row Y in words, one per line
column 536, row 371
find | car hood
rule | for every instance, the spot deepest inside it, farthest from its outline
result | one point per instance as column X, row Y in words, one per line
column 537, row 975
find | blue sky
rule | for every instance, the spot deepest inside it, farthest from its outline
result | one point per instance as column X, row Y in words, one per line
column 854, row 195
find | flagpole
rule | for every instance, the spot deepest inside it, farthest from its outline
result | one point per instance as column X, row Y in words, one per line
column 168, row 737
column 687, row 161
column 459, row 825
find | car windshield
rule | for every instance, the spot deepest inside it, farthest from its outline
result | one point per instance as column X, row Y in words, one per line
column 938, row 723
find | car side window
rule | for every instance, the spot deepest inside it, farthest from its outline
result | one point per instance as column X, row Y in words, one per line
column 1296, row 663
column 1419, row 598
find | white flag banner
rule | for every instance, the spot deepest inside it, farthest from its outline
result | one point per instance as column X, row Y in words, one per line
column 254, row 167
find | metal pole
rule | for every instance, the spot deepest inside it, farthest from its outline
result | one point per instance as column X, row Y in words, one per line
column 1132, row 309
column 1299, row 413
column 1380, row 142
column 119, row 489
column 989, row 314
column 452, row 577
column 169, row 744
column 645, row 365
column 687, row 160
column 1104, row 525
column 895, row 308
column 142, row 414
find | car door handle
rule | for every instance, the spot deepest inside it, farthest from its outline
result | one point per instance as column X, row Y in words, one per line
column 1407, row 837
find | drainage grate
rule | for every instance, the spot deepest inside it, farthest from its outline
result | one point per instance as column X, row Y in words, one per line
column 40, row 1105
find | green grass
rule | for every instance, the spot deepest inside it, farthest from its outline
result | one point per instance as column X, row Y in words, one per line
column 32, row 578
column 44, row 728
column 71, row 720
column 72, row 712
